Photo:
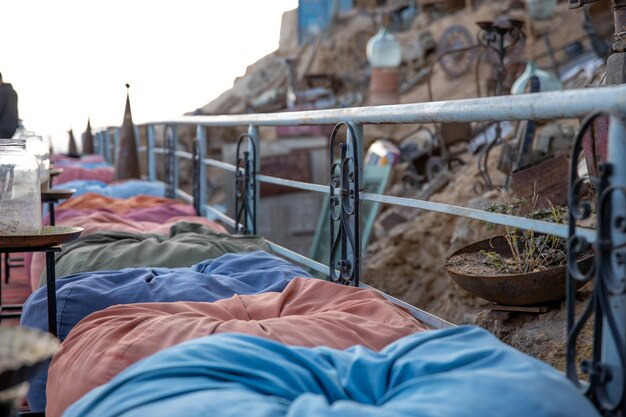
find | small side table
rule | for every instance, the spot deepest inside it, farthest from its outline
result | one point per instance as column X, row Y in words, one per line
column 52, row 197
column 53, row 173
column 49, row 241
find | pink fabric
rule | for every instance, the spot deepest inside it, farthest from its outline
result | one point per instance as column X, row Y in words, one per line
column 116, row 205
column 158, row 214
column 137, row 214
column 309, row 312
column 92, row 158
column 71, row 173
column 102, row 221
column 35, row 263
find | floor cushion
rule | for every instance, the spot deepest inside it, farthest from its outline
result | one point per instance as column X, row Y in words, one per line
column 308, row 312
column 457, row 372
column 187, row 244
column 82, row 294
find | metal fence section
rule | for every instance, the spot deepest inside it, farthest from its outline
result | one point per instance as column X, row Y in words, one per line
column 607, row 386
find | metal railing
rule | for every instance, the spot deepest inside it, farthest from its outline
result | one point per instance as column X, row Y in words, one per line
column 606, row 370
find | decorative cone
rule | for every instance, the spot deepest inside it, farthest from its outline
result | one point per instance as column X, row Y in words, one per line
column 87, row 140
column 127, row 160
column 72, row 148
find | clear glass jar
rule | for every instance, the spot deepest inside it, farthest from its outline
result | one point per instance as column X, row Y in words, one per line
column 38, row 147
column 20, row 194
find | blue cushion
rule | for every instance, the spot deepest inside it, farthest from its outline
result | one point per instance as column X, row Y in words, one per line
column 81, row 164
column 456, row 372
column 82, row 294
column 126, row 189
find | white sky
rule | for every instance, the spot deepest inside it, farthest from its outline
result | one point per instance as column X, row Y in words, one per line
column 69, row 59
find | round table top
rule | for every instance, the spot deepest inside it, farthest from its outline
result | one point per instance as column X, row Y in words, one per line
column 56, row 194
column 49, row 236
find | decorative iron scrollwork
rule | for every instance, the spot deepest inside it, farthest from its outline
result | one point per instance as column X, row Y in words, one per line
column 344, row 208
column 245, row 187
column 498, row 39
column 607, row 387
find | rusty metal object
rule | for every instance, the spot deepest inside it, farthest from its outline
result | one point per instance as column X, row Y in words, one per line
column 595, row 140
column 546, row 179
column 87, row 140
column 619, row 22
column 512, row 289
column 595, row 144
column 127, row 159
column 384, row 86
column 294, row 166
column 456, row 50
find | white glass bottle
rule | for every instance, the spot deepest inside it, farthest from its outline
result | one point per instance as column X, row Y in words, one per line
column 547, row 80
column 20, row 198
column 383, row 50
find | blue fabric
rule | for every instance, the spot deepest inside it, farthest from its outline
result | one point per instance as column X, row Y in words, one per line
column 86, row 165
column 82, row 294
column 126, row 189
column 456, row 372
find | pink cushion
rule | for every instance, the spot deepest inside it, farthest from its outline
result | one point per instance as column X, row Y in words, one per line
column 309, row 312
column 71, row 173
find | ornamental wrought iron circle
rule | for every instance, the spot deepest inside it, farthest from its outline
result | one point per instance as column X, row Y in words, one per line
column 456, row 50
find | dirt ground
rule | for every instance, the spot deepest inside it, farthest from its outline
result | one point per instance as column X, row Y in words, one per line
column 409, row 264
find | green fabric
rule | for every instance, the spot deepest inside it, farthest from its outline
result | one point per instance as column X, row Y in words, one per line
column 188, row 244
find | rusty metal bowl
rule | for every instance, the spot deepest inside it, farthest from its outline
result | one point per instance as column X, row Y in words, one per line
column 513, row 289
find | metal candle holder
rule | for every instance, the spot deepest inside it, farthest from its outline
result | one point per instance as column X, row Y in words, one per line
column 499, row 36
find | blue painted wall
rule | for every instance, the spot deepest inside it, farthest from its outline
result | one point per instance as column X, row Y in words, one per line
column 314, row 15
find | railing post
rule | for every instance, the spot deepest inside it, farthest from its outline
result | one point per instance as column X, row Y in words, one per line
column 345, row 184
column 172, row 160
column 101, row 144
column 202, row 180
column 107, row 145
column 137, row 136
column 614, row 339
column 607, row 366
column 175, row 176
column 116, row 143
column 151, row 164
column 254, row 155
column 96, row 144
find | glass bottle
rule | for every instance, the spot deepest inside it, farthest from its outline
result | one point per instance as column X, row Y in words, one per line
column 36, row 145
column 20, row 198
column 383, row 50
column 547, row 80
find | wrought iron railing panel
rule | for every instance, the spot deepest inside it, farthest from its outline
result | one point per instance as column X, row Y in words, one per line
column 607, row 307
